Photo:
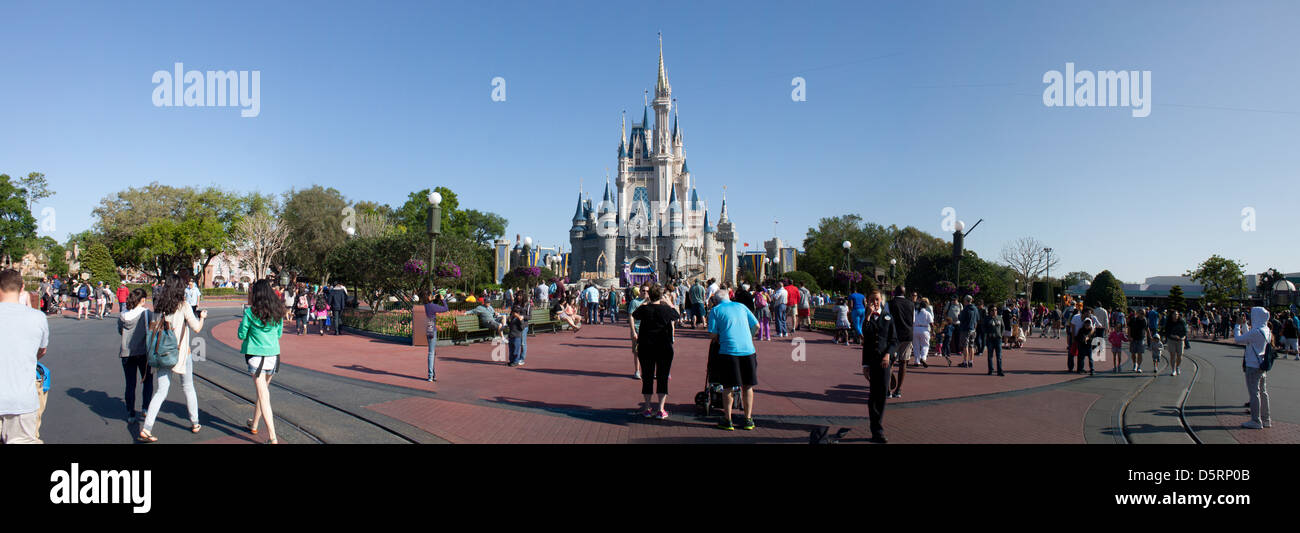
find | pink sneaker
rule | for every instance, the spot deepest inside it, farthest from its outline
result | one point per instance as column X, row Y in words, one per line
column 648, row 413
column 663, row 415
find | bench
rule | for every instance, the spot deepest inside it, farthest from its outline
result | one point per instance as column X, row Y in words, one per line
column 823, row 318
column 541, row 318
column 468, row 326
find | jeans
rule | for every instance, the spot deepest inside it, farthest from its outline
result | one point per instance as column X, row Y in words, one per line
column 1257, row 389
column 163, row 379
column 613, row 313
column 433, row 341
column 336, row 320
column 781, row 328
column 593, row 312
column 136, row 368
column 519, row 347
column 857, row 316
column 994, row 344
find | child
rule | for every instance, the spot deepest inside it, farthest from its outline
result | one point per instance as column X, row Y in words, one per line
column 841, row 321
column 761, row 302
column 322, row 312
column 1020, row 337
column 1117, row 339
column 946, row 339
column 1156, row 347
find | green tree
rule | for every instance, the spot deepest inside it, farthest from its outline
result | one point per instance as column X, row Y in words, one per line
column 17, row 226
column 55, row 265
column 483, row 227
column 1267, row 279
column 412, row 216
column 1222, row 278
column 823, row 246
column 315, row 220
column 1176, row 300
column 994, row 280
column 35, row 188
column 1107, row 292
column 807, row 279
column 99, row 264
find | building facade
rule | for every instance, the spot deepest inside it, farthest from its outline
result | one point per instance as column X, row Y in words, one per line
column 651, row 225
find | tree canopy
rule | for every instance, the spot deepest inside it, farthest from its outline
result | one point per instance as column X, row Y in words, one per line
column 17, row 226
column 1107, row 292
column 1222, row 278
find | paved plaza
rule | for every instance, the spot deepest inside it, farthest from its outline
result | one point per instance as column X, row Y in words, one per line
column 579, row 388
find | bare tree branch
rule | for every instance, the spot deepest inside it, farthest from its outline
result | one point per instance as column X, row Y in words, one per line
column 259, row 240
column 1028, row 258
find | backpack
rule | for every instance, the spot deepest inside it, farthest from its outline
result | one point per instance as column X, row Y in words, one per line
column 1266, row 359
column 83, row 292
column 161, row 344
column 301, row 302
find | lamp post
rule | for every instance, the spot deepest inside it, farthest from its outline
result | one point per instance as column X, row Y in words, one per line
column 958, row 238
column 892, row 263
column 435, row 229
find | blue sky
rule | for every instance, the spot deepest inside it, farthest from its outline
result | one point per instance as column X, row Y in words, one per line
column 911, row 107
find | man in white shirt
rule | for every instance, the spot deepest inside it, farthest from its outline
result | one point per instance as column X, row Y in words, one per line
column 592, row 296
column 780, row 298
column 26, row 333
column 542, row 294
column 192, row 294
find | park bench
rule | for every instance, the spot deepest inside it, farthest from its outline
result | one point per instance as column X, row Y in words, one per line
column 468, row 326
column 541, row 318
column 823, row 318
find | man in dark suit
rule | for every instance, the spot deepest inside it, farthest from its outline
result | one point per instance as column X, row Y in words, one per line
column 879, row 337
column 901, row 313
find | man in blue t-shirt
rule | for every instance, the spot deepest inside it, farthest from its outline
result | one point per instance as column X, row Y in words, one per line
column 733, row 327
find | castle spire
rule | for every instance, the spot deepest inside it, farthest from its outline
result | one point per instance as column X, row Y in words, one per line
column 622, row 136
column 661, row 86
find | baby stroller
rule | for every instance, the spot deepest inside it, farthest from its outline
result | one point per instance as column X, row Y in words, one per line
column 713, row 395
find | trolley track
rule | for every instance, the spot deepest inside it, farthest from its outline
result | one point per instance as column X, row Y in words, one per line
column 305, row 396
column 1182, row 402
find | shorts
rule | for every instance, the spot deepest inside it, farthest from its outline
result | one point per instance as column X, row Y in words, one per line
column 1137, row 346
column 734, row 370
column 1291, row 344
column 803, row 312
column 698, row 309
column 970, row 339
column 20, row 429
column 267, row 363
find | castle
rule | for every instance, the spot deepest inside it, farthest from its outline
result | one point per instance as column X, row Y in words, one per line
column 652, row 225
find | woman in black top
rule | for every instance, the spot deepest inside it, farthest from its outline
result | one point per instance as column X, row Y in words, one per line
column 654, row 344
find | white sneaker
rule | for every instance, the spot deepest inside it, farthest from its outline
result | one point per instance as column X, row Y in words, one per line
column 1268, row 424
column 1251, row 424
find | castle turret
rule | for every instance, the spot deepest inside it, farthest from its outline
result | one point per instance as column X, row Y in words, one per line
column 607, row 230
column 725, row 237
column 576, row 233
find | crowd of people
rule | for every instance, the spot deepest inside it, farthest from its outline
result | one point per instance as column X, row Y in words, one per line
column 895, row 332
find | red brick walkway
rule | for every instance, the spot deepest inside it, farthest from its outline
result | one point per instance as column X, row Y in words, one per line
column 480, row 400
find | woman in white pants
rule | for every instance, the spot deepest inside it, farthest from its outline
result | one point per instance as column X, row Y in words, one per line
column 169, row 304
column 921, row 332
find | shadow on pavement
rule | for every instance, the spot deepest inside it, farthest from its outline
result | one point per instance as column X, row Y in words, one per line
column 374, row 371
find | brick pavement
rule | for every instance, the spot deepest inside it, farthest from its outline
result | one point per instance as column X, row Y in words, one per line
column 578, row 387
